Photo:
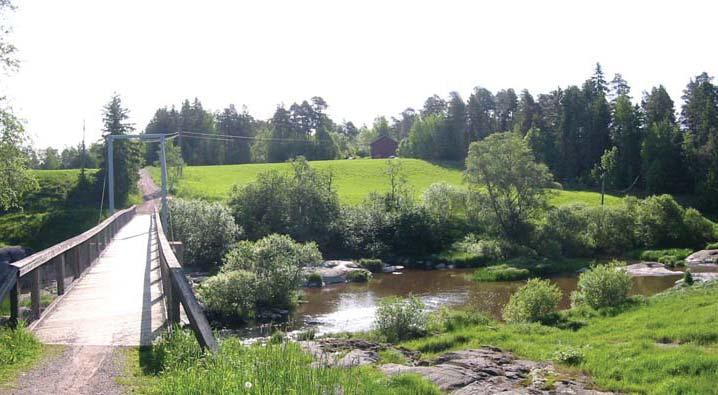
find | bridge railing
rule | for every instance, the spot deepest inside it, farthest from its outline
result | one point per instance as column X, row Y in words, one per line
column 177, row 290
column 70, row 259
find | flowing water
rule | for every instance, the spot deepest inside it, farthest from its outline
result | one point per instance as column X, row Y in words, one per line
column 351, row 307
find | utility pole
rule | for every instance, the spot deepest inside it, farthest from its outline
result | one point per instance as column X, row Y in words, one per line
column 603, row 186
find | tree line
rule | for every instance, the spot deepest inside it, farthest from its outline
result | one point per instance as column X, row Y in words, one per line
column 585, row 134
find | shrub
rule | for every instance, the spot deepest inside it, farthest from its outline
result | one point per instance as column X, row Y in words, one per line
column 303, row 205
column 655, row 255
column 400, row 318
column 688, row 278
column 532, row 302
column 566, row 225
column 277, row 262
column 607, row 229
column 669, row 260
column 603, row 286
column 712, row 246
column 206, row 230
column 660, row 221
column 444, row 200
column 373, row 265
column 569, row 356
column 230, row 295
column 314, row 279
column 698, row 229
column 359, row 276
column 370, row 230
column 500, row 273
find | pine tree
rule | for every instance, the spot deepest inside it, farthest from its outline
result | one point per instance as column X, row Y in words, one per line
column 699, row 117
column 127, row 154
column 627, row 137
column 480, row 112
column 528, row 113
column 455, row 126
column 506, row 106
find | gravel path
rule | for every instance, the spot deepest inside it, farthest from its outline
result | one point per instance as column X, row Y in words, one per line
column 76, row 370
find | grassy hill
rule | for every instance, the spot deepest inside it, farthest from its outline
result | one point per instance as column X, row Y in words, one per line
column 354, row 179
column 47, row 216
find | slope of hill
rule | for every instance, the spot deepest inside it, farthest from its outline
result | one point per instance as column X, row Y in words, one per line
column 354, row 179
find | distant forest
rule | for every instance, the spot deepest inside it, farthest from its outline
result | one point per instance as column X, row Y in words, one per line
column 585, row 134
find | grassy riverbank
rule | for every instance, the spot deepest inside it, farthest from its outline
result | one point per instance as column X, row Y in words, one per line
column 354, row 179
column 19, row 350
column 176, row 366
column 667, row 344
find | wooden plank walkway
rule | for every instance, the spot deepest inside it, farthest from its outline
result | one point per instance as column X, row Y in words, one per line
column 118, row 302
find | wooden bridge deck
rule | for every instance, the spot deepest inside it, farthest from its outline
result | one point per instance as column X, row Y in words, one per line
column 118, row 302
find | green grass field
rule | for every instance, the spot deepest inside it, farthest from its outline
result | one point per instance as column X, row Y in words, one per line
column 354, row 179
column 47, row 216
column 667, row 345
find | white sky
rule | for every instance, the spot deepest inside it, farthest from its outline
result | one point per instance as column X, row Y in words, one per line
column 366, row 58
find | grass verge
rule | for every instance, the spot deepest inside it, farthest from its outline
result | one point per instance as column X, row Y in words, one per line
column 175, row 365
column 501, row 272
column 19, row 350
column 669, row 344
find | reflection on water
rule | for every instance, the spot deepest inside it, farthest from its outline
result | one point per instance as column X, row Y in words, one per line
column 350, row 307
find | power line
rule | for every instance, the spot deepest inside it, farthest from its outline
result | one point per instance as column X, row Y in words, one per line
column 218, row 137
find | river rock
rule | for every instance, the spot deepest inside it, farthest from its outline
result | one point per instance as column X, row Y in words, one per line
column 392, row 268
column 488, row 370
column 703, row 257
column 334, row 272
column 650, row 269
column 358, row 358
column 701, row 277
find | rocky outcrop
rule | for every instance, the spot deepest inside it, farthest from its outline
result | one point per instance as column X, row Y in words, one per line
column 650, row 269
column 489, row 370
column 334, row 272
column 703, row 257
column 701, row 277
column 349, row 352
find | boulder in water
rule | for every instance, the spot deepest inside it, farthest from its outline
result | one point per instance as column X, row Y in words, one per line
column 703, row 257
column 650, row 269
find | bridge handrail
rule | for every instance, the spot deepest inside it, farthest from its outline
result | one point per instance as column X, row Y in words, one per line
column 80, row 252
column 33, row 261
column 177, row 290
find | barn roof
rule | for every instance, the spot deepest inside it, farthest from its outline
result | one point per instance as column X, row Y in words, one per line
column 380, row 138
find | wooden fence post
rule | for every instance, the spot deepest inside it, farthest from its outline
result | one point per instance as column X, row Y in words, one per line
column 60, row 274
column 14, row 303
column 35, row 293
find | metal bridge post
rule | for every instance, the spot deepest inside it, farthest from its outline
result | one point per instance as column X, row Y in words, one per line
column 111, row 174
column 163, row 161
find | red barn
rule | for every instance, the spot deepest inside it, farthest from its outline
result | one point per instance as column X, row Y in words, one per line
column 383, row 147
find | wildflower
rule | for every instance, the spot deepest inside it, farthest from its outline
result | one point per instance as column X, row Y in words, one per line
column 247, row 385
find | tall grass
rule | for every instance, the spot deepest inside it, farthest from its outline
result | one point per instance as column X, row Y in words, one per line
column 18, row 350
column 175, row 365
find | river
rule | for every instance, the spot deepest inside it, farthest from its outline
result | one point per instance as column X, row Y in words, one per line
column 351, row 307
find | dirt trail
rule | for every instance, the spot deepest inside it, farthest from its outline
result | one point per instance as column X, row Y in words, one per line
column 151, row 193
column 76, row 370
